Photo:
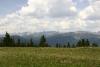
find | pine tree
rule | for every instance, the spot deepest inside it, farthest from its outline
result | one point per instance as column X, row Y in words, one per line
column 1, row 45
column 87, row 43
column 8, row 41
column 18, row 44
column 68, row 45
column 78, row 43
column 73, row 46
column 43, row 42
column 94, row 45
column 31, row 44
column 83, row 43
column 58, row 45
column 64, row 46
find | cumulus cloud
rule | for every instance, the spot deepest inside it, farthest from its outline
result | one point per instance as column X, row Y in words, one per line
column 53, row 15
column 49, row 8
column 96, row 9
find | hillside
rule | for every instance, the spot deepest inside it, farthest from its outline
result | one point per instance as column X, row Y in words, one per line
column 57, row 37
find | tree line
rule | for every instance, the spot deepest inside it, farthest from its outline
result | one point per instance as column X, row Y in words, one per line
column 9, row 41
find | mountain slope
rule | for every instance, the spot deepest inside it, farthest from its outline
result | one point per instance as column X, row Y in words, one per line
column 57, row 37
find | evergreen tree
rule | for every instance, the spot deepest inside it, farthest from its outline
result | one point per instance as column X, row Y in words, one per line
column 64, row 46
column 1, row 43
column 31, row 44
column 87, row 43
column 58, row 45
column 78, row 43
column 94, row 45
column 18, row 44
column 43, row 42
column 8, row 41
column 73, row 46
column 83, row 43
column 68, row 45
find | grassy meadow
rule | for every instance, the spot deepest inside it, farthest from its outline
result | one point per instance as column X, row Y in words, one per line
column 49, row 57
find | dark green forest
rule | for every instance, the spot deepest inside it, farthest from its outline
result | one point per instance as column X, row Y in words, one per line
column 9, row 41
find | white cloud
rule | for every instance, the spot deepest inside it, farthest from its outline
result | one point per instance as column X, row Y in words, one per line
column 96, row 14
column 49, row 8
column 51, row 15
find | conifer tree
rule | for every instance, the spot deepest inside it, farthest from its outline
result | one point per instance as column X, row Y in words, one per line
column 73, row 46
column 87, row 43
column 18, row 44
column 31, row 44
column 64, row 46
column 43, row 42
column 83, row 44
column 78, row 43
column 57, row 45
column 94, row 45
column 68, row 45
column 8, row 41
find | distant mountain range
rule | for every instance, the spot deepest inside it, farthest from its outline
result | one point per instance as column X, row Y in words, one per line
column 57, row 37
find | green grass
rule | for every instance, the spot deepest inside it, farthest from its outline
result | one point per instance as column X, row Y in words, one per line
column 49, row 57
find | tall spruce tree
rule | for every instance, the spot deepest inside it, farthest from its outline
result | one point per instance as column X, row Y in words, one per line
column 31, row 44
column 18, row 44
column 83, row 43
column 43, row 42
column 58, row 45
column 94, row 45
column 78, row 43
column 87, row 43
column 8, row 41
column 64, row 46
column 68, row 45
column 73, row 46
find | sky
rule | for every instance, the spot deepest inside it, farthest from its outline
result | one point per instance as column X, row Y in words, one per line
column 18, row 16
